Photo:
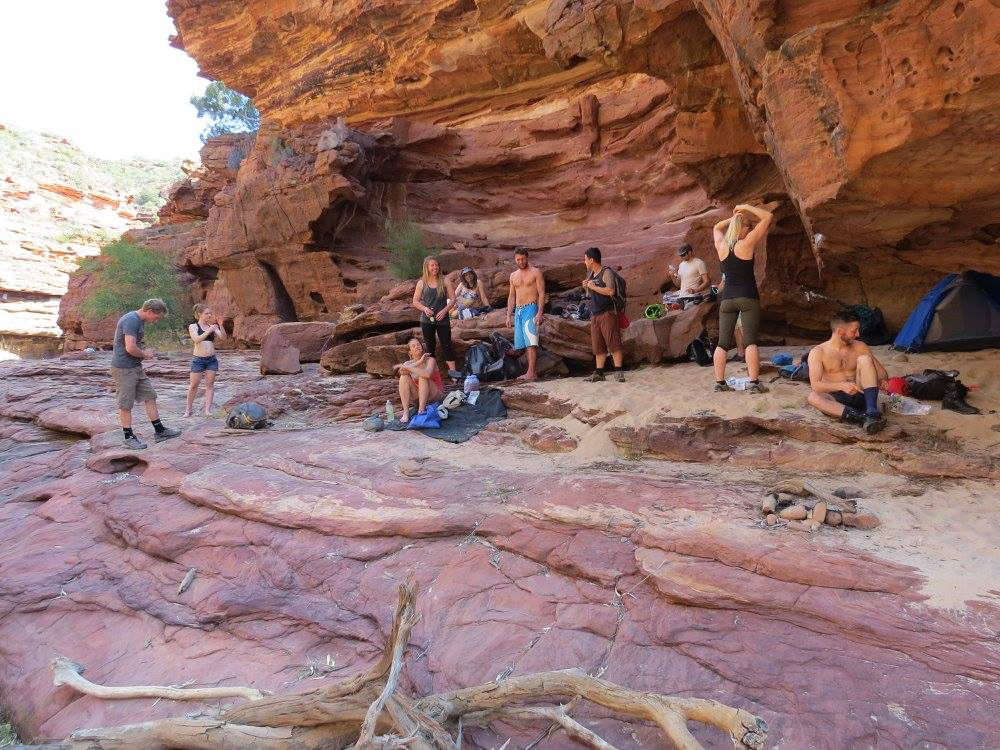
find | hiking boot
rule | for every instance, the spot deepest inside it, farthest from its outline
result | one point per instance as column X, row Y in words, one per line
column 619, row 376
column 167, row 433
column 595, row 377
column 758, row 387
column 135, row 443
column 875, row 424
column 954, row 402
column 852, row 416
column 723, row 386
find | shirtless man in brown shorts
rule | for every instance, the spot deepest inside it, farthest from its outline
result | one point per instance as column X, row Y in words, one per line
column 845, row 376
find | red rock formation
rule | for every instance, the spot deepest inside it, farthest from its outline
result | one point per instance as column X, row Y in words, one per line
column 301, row 533
column 559, row 125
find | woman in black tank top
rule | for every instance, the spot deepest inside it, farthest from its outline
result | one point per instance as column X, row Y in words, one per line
column 739, row 299
column 434, row 298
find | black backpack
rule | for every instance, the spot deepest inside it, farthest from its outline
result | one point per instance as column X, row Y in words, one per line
column 873, row 331
column 477, row 359
column 932, row 384
column 700, row 350
column 619, row 297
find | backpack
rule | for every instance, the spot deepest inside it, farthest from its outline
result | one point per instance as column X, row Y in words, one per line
column 873, row 331
column 700, row 351
column 931, row 384
column 247, row 416
column 477, row 359
column 618, row 298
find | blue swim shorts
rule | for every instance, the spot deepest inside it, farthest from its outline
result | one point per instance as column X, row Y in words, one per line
column 525, row 330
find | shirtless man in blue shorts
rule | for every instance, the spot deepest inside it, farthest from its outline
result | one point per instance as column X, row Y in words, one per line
column 524, row 305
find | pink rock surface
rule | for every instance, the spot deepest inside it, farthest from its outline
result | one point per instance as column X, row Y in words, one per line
column 300, row 535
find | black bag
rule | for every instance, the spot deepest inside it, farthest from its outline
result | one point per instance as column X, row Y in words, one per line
column 619, row 297
column 477, row 359
column 932, row 384
column 247, row 416
column 873, row 331
column 700, row 351
column 506, row 366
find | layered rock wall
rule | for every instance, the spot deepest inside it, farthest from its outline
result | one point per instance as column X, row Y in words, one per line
column 629, row 124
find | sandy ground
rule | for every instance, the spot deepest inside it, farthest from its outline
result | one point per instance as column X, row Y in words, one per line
column 947, row 529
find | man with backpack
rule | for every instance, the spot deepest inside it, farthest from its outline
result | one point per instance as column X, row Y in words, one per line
column 606, row 290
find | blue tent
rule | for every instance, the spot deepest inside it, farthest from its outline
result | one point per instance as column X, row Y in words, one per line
column 961, row 312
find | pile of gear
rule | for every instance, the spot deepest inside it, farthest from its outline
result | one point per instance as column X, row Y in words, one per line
column 805, row 507
column 493, row 360
column 935, row 385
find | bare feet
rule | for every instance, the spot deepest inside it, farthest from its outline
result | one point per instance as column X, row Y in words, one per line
column 528, row 376
column 186, row 414
column 403, row 419
column 207, row 413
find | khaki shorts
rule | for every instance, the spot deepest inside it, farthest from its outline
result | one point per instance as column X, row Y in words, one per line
column 131, row 385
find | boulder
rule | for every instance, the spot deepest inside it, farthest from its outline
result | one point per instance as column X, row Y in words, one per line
column 310, row 338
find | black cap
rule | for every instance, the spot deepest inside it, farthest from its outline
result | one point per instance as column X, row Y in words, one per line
column 684, row 249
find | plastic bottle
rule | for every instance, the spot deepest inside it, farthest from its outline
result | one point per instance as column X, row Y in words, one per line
column 390, row 413
column 738, row 384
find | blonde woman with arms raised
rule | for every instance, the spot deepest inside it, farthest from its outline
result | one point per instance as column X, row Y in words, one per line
column 736, row 241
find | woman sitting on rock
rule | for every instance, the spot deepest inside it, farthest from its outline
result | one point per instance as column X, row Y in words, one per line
column 205, row 364
column 434, row 298
column 470, row 296
column 418, row 377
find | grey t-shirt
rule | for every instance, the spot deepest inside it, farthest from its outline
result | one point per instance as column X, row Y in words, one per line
column 130, row 324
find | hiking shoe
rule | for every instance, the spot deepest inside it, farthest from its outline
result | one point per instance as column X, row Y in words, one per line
column 873, row 425
column 852, row 416
column 135, row 443
column 619, row 376
column 168, row 433
column 723, row 386
column 758, row 388
column 596, row 377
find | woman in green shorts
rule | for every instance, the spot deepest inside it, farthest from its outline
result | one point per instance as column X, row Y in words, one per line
column 735, row 241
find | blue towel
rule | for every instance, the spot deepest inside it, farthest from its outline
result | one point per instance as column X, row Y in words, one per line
column 781, row 359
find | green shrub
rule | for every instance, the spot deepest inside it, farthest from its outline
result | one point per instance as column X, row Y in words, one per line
column 407, row 249
column 128, row 275
column 7, row 734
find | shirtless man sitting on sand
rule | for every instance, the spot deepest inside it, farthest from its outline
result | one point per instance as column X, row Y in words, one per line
column 845, row 376
column 527, row 293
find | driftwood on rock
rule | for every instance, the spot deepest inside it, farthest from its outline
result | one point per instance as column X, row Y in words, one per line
column 370, row 712
column 66, row 672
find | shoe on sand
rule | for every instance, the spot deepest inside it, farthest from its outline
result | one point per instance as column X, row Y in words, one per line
column 874, row 424
column 619, row 376
column 135, row 444
column 595, row 377
column 168, row 433
column 758, row 388
column 722, row 387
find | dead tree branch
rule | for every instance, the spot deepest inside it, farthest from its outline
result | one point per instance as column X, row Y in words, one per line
column 370, row 712
column 67, row 672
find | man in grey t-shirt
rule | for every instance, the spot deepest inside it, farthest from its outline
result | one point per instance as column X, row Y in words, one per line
column 131, row 383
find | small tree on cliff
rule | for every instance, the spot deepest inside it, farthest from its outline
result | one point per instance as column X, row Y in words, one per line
column 227, row 111
column 127, row 275
column 407, row 249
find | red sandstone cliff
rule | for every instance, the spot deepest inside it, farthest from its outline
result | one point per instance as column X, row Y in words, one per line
column 627, row 124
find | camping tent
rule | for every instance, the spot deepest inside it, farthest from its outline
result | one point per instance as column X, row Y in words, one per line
column 962, row 312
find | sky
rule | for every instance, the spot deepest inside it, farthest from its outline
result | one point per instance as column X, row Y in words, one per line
column 100, row 73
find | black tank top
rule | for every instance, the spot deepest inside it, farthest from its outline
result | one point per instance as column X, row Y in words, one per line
column 436, row 302
column 740, row 281
column 209, row 337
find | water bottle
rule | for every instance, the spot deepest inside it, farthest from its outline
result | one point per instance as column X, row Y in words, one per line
column 390, row 413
